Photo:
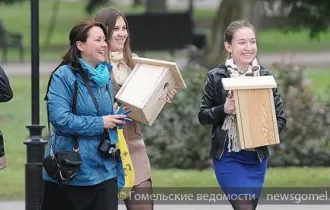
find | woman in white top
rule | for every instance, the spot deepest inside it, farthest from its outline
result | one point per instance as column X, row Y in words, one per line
column 120, row 56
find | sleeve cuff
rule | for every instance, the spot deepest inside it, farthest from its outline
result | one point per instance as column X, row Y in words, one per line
column 219, row 111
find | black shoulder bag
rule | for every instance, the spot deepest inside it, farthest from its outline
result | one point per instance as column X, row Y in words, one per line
column 63, row 165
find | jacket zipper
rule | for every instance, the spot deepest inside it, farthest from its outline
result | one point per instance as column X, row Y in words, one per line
column 223, row 148
column 100, row 100
column 259, row 156
column 99, row 90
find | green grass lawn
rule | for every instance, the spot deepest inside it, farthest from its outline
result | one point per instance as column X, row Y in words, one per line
column 319, row 77
column 270, row 41
column 16, row 114
column 13, row 180
column 16, row 18
column 320, row 80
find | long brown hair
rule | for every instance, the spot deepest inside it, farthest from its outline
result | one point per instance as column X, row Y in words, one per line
column 79, row 33
column 108, row 17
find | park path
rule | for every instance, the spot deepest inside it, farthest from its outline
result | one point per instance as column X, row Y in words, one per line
column 181, row 4
column 308, row 59
column 178, row 4
column 20, row 205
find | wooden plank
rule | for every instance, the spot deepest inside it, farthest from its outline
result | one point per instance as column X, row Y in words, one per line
column 155, row 103
column 140, row 84
column 256, row 117
column 153, row 62
column 240, row 124
column 172, row 65
column 244, row 117
column 138, row 88
column 272, row 104
column 137, row 113
column 245, row 82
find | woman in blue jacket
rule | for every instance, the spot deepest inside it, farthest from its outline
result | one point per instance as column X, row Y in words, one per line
column 80, row 107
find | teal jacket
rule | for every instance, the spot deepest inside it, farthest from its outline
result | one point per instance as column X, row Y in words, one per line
column 85, row 123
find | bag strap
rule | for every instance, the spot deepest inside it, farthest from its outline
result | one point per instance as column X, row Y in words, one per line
column 75, row 141
column 46, row 99
column 90, row 91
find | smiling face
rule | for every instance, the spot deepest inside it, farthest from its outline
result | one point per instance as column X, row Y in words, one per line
column 119, row 35
column 243, row 47
column 93, row 50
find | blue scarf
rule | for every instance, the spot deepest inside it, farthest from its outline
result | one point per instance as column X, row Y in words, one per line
column 100, row 74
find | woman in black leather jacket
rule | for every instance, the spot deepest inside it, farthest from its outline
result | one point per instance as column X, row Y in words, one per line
column 6, row 94
column 237, row 170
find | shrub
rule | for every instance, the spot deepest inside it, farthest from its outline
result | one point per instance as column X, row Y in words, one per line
column 176, row 139
column 305, row 140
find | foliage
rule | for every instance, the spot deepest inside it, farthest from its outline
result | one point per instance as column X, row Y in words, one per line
column 306, row 139
column 311, row 14
column 92, row 5
column 11, row 1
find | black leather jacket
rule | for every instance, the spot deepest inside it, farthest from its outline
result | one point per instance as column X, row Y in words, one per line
column 6, row 94
column 212, row 110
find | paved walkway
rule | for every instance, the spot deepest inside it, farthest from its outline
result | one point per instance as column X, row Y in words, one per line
column 180, row 4
column 20, row 205
column 317, row 60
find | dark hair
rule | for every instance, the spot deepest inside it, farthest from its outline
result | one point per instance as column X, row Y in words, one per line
column 108, row 16
column 79, row 33
column 234, row 26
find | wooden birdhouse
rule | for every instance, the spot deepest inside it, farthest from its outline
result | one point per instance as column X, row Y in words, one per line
column 145, row 90
column 255, row 110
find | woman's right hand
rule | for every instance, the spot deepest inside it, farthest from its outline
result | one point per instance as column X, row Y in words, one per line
column 111, row 121
column 229, row 107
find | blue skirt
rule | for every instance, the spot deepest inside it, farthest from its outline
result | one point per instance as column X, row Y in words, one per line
column 240, row 173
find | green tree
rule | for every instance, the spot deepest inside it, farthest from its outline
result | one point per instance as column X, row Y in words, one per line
column 156, row 5
column 311, row 14
column 94, row 4
column 302, row 14
column 10, row 1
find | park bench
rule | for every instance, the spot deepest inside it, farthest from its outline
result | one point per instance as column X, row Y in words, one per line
column 166, row 31
column 10, row 40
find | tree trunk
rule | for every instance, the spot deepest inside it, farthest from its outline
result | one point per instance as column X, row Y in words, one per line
column 52, row 23
column 155, row 6
column 137, row 3
column 252, row 12
column 228, row 11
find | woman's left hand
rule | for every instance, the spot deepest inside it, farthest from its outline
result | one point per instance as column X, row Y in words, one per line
column 171, row 93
